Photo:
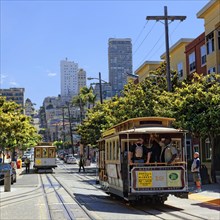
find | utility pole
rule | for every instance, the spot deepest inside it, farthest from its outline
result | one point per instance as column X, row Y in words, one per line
column 166, row 18
column 71, row 130
column 64, row 135
column 100, row 87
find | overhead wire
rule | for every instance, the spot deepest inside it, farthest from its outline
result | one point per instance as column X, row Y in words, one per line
column 159, row 46
column 152, row 48
column 144, row 38
column 140, row 33
column 163, row 41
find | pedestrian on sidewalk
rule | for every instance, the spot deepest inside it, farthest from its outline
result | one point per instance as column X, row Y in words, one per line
column 81, row 163
column 195, row 169
column 27, row 164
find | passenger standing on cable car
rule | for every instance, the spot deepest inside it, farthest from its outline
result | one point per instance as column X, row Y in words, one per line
column 139, row 153
column 169, row 153
column 155, row 148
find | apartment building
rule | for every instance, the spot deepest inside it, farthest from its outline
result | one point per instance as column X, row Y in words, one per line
column 144, row 70
column 196, row 56
column 211, row 15
column 178, row 58
column 14, row 94
column 69, row 79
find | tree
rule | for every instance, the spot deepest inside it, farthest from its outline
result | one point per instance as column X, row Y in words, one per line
column 138, row 100
column 15, row 128
column 196, row 107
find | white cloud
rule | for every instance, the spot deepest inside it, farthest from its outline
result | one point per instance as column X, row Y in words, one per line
column 51, row 74
column 12, row 83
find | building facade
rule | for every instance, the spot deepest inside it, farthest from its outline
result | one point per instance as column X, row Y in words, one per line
column 14, row 94
column 69, row 79
column 81, row 79
column 211, row 15
column 29, row 108
column 144, row 70
column 178, row 58
column 119, row 63
column 106, row 91
column 196, row 56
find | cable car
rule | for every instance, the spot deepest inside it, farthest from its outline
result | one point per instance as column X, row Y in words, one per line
column 44, row 157
column 154, row 181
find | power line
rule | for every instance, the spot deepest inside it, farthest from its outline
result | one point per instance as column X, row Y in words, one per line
column 152, row 48
column 140, row 33
column 163, row 41
column 144, row 38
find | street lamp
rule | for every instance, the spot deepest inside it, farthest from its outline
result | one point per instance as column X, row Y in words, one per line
column 100, row 85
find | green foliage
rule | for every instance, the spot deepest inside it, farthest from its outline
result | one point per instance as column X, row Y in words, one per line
column 15, row 128
column 196, row 106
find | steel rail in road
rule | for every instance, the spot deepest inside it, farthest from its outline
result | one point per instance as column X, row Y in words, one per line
column 84, row 210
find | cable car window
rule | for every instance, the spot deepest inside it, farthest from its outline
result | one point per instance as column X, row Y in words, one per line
column 113, row 150
column 45, row 153
column 51, row 152
column 118, row 149
column 38, row 152
column 177, row 144
column 107, row 151
column 110, row 150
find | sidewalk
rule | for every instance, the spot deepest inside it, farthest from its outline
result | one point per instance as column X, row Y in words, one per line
column 210, row 193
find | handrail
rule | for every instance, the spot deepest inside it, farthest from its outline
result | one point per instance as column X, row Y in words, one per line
column 155, row 164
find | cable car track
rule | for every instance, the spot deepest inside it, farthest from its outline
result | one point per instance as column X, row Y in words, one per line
column 57, row 186
column 169, row 212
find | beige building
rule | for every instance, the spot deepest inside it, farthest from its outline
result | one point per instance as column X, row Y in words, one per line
column 178, row 57
column 144, row 70
column 211, row 15
column 14, row 94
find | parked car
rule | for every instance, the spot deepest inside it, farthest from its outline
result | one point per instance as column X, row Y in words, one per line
column 66, row 157
column 71, row 159
column 4, row 167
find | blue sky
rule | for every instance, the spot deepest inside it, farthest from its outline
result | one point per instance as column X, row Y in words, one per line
column 36, row 35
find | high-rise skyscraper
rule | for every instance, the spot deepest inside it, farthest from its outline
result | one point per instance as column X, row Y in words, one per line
column 119, row 62
column 69, row 79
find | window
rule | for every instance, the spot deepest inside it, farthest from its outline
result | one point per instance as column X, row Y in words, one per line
column 192, row 62
column 210, row 43
column 180, row 70
column 45, row 152
column 211, row 70
column 189, row 149
column 51, row 152
column 203, row 55
column 195, row 148
column 208, row 149
column 38, row 152
column 177, row 144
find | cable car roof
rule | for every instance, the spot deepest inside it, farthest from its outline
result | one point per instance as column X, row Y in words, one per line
column 150, row 130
